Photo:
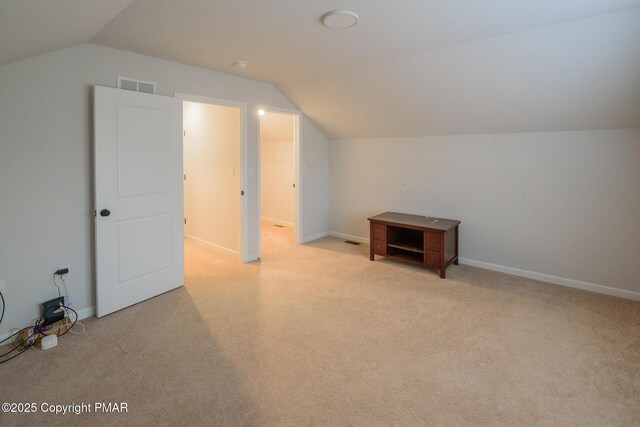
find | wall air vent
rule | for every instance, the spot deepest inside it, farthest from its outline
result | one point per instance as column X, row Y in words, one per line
column 146, row 87
column 136, row 85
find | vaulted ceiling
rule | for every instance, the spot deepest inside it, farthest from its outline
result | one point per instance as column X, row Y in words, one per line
column 32, row 27
column 410, row 67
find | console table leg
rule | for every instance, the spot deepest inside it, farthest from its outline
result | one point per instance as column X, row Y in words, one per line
column 455, row 262
column 443, row 273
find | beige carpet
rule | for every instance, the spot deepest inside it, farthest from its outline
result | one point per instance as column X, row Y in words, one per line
column 319, row 335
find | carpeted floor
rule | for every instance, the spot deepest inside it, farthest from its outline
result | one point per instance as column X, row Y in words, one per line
column 319, row 335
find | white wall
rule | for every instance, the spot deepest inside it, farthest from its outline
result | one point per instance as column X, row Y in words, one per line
column 46, row 158
column 565, row 204
column 212, row 148
column 314, row 182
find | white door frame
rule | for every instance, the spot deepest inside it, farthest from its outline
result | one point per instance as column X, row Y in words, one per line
column 297, row 225
column 244, row 179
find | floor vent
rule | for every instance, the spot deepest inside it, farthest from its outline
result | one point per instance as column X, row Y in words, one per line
column 278, row 225
column 351, row 242
column 136, row 85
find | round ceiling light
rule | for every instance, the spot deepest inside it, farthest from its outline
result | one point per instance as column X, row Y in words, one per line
column 340, row 18
column 240, row 63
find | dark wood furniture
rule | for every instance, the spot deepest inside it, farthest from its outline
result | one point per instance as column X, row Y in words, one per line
column 427, row 241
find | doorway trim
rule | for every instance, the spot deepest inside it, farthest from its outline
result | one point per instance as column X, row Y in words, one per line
column 297, row 226
column 244, row 179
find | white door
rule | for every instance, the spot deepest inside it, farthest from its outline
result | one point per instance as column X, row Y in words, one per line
column 138, row 197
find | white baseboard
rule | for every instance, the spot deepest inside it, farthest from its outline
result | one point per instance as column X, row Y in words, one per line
column 350, row 237
column 214, row 245
column 251, row 258
column 571, row 283
column 277, row 221
column 314, row 237
column 86, row 312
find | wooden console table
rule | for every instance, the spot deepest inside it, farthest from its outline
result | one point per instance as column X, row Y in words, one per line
column 426, row 241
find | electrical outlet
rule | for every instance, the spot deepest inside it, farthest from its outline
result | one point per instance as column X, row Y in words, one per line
column 65, row 276
column 3, row 286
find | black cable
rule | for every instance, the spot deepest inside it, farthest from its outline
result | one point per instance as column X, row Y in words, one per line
column 15, row 355
column 64, row 307
column 41, row 319
column 74, row 321
column 18, row 346
column 3, row 304
column 36, row 329
column 56, row 285
column 11, row 336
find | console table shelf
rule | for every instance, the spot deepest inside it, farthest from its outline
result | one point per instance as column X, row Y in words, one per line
column 405, row 247
column 406, row 256
column 427, row 241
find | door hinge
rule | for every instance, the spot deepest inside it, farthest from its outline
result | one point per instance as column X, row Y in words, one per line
column 185, row 220
column 294, row 185
column 185, row 177
column 242, row 193
column 95, row 213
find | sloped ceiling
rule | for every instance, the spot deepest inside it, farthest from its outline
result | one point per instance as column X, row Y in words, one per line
column 32, row 27
column 410, row 67
column 579, row 76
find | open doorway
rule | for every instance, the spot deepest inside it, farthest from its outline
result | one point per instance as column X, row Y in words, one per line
column 278, row 178
column 212, row 144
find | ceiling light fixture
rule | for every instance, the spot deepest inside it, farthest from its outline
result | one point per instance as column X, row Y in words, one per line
column 261, row 112
column 340, row 18
column 240, row 63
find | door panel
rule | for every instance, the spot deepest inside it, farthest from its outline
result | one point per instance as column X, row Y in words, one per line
column 139, row 170
column 150, row 236
column 138, row 178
